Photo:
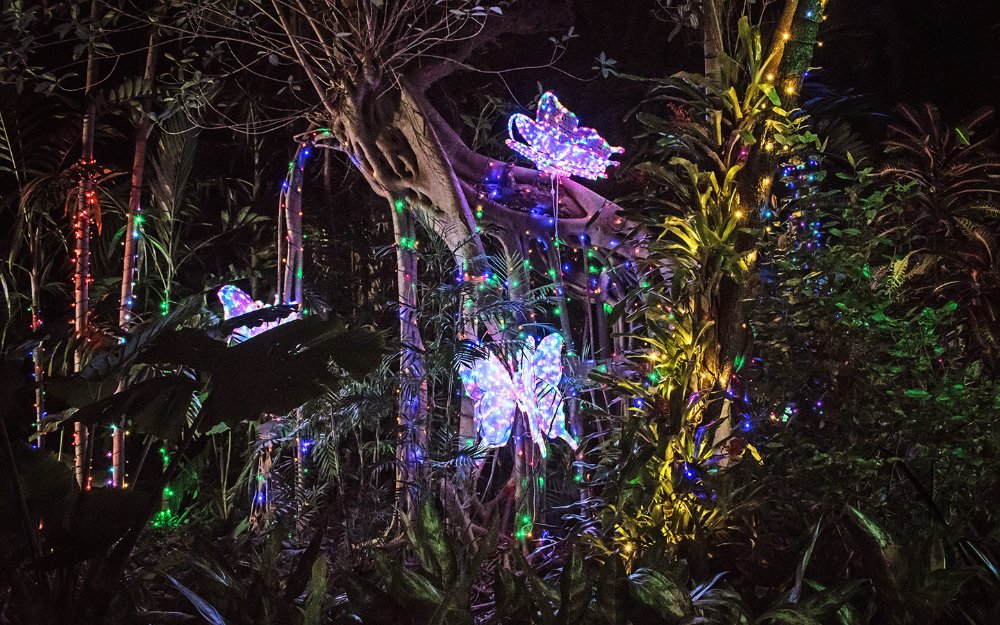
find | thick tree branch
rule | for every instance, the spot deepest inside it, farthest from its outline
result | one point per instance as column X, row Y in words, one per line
column 782, row 33
column 583, row 212
column 537, row 17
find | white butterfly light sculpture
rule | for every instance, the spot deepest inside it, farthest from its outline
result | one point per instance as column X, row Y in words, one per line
column 236, row 302
column 530, row 383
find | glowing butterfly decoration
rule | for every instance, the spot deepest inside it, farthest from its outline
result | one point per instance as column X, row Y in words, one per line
column 235, row 302
column 557, row 144
column 531, row 383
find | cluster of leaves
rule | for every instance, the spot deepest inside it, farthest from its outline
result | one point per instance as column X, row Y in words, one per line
column 498, row 583
column 871, row 386
column 188, row 382
column 883, row 372
column 697, row 237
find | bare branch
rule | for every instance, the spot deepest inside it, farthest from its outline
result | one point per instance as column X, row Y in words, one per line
column 538, row 17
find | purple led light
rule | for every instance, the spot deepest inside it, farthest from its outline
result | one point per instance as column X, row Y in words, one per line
column 235, row 302
column 558, row 145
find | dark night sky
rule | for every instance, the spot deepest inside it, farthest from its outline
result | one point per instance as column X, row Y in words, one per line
column 941, row 51
column 888, row 51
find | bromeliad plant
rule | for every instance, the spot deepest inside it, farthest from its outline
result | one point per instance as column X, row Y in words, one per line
column 711, row 149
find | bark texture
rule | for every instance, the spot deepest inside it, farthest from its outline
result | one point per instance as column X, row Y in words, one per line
column 82, row 215
column 130, row 264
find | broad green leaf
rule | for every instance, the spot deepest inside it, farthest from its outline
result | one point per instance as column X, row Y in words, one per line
column 657, row 595
column 206, row 609
column 574, row 589
column 786, row 616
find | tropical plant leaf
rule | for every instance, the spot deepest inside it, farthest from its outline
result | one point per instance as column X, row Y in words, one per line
column 657, row 597
column 574, row 589
column 207, row 610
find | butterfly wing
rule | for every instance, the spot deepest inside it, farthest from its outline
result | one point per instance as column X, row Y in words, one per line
column 489, row 385
column 546, row 370
column 524, row 381
column 236, row 302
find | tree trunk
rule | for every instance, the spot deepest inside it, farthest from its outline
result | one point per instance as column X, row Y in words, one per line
column 407, row 153
column 130, row 264
column 86, row 198
column 791, row 50
column 37, row 354
column 291, row 271
column 412, row 408
column 712, row 39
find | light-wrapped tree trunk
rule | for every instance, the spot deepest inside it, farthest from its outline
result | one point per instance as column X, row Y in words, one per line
column 85, row 200
column 130, row 263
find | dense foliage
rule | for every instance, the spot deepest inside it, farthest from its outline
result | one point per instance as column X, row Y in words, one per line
column 785, row 404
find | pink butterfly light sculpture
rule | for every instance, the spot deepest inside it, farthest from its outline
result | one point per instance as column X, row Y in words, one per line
column 236, row 302
column 530, row 383
column 557, row 144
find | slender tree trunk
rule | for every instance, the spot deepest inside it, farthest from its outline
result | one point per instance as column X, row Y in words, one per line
column 291, row 269
column 712, row 39
column 791, row 51
column 412, row 411
column 603, row 346
column 38, row 354
column 290, row 242
column 86, row 198
column 130, row 264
